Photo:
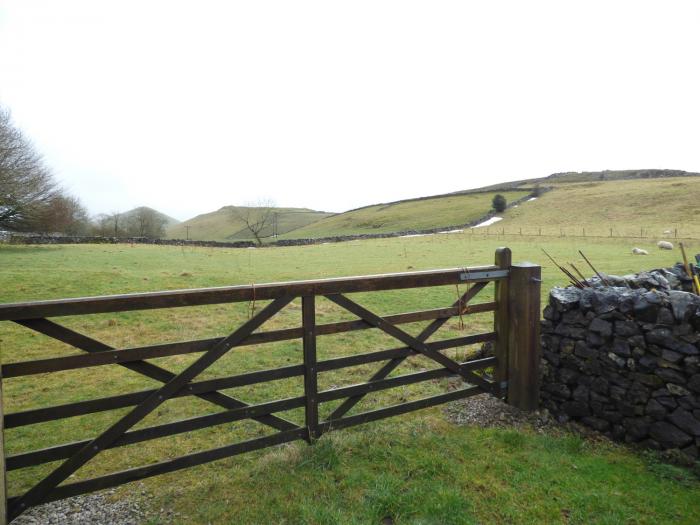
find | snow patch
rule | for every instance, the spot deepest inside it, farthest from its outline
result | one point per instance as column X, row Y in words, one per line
column 489, row 222
column 416, row 235
column 453, row 231
column 531, row 199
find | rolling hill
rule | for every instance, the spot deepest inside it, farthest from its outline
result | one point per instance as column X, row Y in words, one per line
column 225, row 224
column 415, row 214
column 169, row 221
column 628, row 206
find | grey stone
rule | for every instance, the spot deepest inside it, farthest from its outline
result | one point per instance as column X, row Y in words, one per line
column 665, row 317
column 637, row 428
column 669, row 435
column 580, row 393
column 563, row 299
column 621, row 347
column 582, row 350
column 694, row 383
column 670, row 376
column 655, row 409
column 677, row 390
column 596, row 423
column 626, row 328
column 685, row 421
column 671, row 356
column 558, row 389
column 683, row 303
column 576, row 408
column 619, row 361
column 603, row 328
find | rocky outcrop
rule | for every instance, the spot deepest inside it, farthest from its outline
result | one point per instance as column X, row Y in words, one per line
column 626, row 360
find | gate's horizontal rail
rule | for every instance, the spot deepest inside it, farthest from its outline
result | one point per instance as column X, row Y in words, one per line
column 57, row 452
column 57, row 364
column 46, row 455
column 199, row 458
column 259, row 292
column 39, row 415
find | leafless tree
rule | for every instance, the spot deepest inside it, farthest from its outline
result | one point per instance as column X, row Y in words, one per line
column 146, row 222
column 256, row 216
column 63, row 214
column 26, row 184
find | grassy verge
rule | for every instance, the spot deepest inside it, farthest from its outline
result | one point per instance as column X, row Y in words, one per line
column 415, row 469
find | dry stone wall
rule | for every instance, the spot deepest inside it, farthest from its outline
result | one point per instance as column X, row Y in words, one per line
column 625, row 360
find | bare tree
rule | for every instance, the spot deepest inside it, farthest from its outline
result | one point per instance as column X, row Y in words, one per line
column 63, row 214
column 146, row 222
column 26, row 185
column 256, row 216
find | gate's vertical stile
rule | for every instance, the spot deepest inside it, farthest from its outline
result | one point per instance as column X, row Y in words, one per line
column 500, row 321
column 3, row 473
column 524, row 341
column 308, row 309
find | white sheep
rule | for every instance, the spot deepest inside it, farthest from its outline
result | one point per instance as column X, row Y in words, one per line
column 665, row 245
column 639, row 251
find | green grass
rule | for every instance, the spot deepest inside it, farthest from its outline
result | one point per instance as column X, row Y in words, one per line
column 434, row 212
column 417, row 468
column 224, row 225
column 626, row 206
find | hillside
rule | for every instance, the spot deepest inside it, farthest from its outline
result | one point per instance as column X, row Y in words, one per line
column 169, row 221
column 415, row 214
column 225, row 224
column 587, row 176
column 627, row 206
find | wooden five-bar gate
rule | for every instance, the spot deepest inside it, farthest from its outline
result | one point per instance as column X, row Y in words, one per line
column 514, row 367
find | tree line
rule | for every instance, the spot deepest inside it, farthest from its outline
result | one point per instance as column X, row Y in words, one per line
column 32, row 201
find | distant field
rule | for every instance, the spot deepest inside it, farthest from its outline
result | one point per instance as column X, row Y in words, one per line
column 626, row 206
column 418, row 468
column 437, row 212
column 225, row 225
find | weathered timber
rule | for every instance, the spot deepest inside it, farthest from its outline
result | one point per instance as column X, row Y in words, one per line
column 39, row 491
column 261, row 292
column 308, row 308
column 500, row 319
column 107, row 357
column 524, row 341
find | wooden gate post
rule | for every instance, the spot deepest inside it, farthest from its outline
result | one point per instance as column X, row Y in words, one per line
column 524, row 336
column 500, row 321
column 3, row 474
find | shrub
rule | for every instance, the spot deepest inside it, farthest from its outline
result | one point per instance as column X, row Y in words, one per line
column 499, row 203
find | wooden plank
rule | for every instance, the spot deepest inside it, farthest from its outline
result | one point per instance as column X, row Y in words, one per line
column 401, row 353
column 90, row 345
column 385, row 370
column 108, row 357
column 409, row 340
column 115, row 431
column 227, row 294
column 47, row 455
column 308, row 308
column 172, row 465
column 78, row 408
column 395, row 410
column 500, row 321
column 524, row 338
column 3, row 470
column 402, row 380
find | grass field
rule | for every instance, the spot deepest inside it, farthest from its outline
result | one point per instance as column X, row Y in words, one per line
column 626, row 206
column 436, row 212
column 418, row 468
column 225, row 225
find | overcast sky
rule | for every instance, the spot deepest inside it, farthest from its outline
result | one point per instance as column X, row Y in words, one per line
column 189, row 106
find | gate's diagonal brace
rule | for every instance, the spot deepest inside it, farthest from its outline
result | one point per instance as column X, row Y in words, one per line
column 36, row 494
column 88, row 344
column 410, row 341
column 391, row 365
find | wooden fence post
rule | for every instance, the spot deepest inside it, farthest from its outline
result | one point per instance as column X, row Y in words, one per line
column 500, row 320
column 308, row 313
column 3, row 474
column 524, row 336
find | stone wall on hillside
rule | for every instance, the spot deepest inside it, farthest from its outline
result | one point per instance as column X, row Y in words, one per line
column 625, row 360
column 38, row 238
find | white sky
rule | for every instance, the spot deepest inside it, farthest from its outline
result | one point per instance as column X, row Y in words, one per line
column 189, row 106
